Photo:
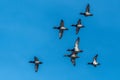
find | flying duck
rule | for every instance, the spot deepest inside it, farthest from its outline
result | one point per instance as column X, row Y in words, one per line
column 36, row 62
column 87, row 12
column 78, row 26
column 76, row 47
column 61, row 29
column 94, row 63
column 73, row 57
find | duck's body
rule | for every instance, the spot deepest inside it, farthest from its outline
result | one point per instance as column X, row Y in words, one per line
column 87, row 12
column 61, row 29
column 78, row 26
column 36, row 62
column 94, row 63
column 73, row 57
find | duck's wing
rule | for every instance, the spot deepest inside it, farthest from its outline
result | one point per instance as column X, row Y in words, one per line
column 95, row 57
column 77, row 30
column 36, row 67
column 73, row 61
column 31, row 61
column 35, row 58
column 77, row 42
column 88, row 8
column 61, row 23
column 79, row 21
column 60, row 34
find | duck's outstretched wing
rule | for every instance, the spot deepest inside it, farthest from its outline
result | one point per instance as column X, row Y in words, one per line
column 79, row 21
column 60, row 34
column 36, row 67
column 35, row 58
column 31, row 61
column 73, row 62
column 95, row 57
column 77, row 42
column 88, row 8
column 77, row 30
column 61, row 23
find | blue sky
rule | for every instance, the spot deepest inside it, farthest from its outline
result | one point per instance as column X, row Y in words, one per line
column 26, row 31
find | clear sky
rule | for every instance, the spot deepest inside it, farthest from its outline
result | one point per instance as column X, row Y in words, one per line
column 26, row 30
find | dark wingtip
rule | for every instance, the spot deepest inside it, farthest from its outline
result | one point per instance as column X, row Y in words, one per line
column 83, row 26
column 99, row 63
column 79, row 19
column 60, row 37
column 55, row 27
column 69, row 50
column 89, row 63
column 76, row 33
column 31, row 62
column 41, row 62
column 74, row 65
column 73, row 25
column 78, row 57
column 35, row 57
column 61, row 20
column 81, row 50
column 78, row 38
column 88, row 5
column 96, row 55
column 67, row 29
column 81, row 13
column 90, row 15
column 65, row 55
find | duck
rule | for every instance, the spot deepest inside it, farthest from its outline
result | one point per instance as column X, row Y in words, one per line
column 73, row 56
column 78, row 26
column 87, row 11
column 61, row 28
column 36, row 62
column 76, row 47
column 94, row 63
